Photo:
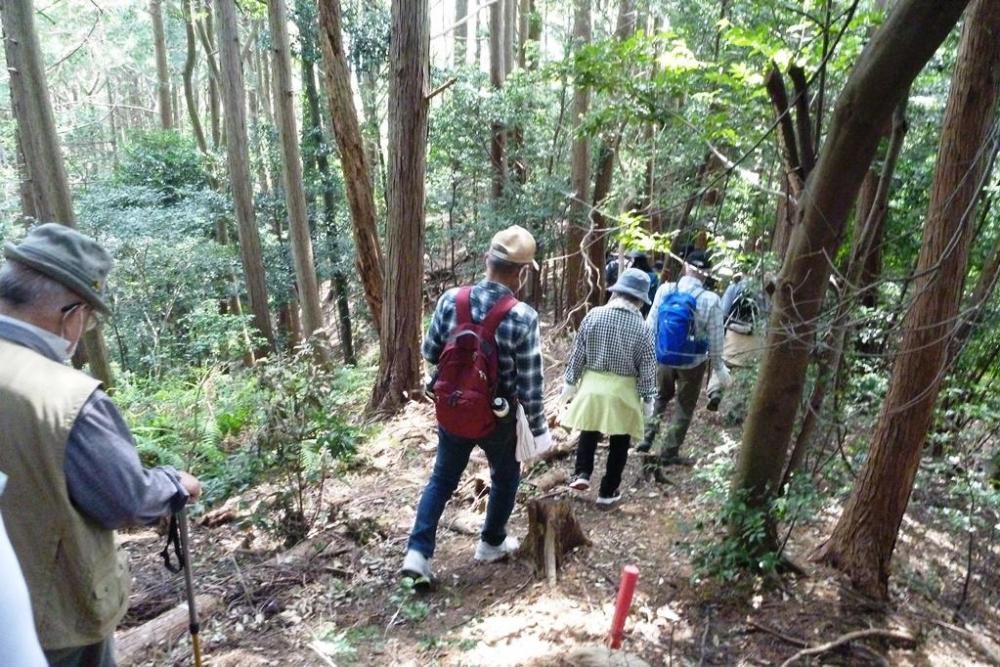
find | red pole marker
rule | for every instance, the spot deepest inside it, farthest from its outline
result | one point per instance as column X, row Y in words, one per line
column 630, row 575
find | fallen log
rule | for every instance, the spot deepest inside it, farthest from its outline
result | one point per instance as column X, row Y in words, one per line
column 167, row 628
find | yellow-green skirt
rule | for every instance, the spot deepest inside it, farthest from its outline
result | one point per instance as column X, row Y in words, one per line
column 606, row 403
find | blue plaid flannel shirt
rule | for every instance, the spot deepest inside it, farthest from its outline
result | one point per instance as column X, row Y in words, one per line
column 519, row 348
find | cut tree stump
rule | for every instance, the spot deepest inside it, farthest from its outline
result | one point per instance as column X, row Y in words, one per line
column 552, row 532
column 132, row 644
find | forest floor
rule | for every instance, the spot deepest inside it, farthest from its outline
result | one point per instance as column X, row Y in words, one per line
column 336, row 598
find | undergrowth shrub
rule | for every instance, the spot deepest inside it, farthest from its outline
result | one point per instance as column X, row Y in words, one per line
column 735, row 539
column 286, row 420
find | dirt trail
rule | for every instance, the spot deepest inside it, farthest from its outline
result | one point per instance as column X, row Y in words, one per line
column 344, row 605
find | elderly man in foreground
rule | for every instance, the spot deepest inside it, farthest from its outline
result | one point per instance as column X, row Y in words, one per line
column 74, row 474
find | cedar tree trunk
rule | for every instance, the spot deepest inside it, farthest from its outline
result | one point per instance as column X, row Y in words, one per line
column 863, row 540
column 238, row 158
column 353, row 161
column 399, row 361
column 880, row 79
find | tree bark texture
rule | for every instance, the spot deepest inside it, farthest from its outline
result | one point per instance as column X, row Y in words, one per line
column 498, row 73
column 315, row 159
column 238, row 159
column 45, row 169
column 864, row 538
column 353, row 160
column 509, row 27
column 36, row 130
column 295, row 194
column 871, row 215
column 399, row 362
column 189, row 63
column 579, row 178
column 879, row 81
column 206, row 33
column 162, row 70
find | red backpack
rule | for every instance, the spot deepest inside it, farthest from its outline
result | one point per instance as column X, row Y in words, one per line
column 467, row 370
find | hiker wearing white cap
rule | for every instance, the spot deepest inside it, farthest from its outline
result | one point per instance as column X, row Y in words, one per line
column 611, row 382
column 486, row 346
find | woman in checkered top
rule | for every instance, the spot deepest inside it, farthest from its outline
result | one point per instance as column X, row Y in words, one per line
column 611, row 382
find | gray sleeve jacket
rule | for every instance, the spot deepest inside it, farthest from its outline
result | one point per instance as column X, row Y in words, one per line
column 104, row 476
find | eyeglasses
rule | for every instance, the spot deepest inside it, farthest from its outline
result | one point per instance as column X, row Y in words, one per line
column 92, row 322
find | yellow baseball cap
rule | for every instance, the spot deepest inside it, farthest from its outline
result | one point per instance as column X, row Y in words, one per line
column 515, row 245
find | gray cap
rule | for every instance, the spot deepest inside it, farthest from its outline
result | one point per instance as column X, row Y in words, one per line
column 633, row 282
column 68, row 257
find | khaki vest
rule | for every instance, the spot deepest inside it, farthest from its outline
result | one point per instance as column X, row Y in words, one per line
column 77, row 579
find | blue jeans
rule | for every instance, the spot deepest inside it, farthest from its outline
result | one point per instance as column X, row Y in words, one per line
column 452, row 458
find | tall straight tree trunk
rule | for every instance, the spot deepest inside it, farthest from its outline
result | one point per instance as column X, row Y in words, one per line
column 498, row 73
column 112, row 122
column 509, row 28
column 162, row 71
column 881, row 77
column 36, row 130
column 238, row 159
column 206, row 33
column 189, row 63
column 524, row 11
column 604, row 175
column 579, row 176
column 315, row 161
column 295, row 194
column 461, row 33
column 353, row 161
column 399, row 361
column 864, row 538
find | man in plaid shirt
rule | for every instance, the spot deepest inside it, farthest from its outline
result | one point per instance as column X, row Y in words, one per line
column 519, row 380
column 686, row 381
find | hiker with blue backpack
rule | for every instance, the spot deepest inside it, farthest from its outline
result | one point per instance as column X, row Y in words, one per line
column 687, row 326
column 487, row 390
column 611, row 382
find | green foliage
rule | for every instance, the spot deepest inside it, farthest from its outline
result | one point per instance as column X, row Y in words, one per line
column 165, row 161
column 738, row 538
column 407, row 604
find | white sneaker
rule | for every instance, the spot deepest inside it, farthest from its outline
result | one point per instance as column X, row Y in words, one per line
column 608, row 501
column 418, row 566
column 581, row 483
column 487, row 553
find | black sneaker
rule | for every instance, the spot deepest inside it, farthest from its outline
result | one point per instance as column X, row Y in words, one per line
column 580, row 483
column 713, row 403
column 644, row 447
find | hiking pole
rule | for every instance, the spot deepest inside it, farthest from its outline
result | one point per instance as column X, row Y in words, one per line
column 182, row 522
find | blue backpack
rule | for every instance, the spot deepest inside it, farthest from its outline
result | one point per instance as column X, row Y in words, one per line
column 676, row 344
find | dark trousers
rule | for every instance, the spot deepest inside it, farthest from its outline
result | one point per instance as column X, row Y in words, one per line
column 452, row 458
column 586, row 450
column 101, row 654
column 685, row 384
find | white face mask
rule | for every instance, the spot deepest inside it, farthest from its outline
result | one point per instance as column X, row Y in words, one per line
column 68, row 347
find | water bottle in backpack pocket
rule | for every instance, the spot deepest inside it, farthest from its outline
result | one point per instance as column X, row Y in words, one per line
column 677, row 343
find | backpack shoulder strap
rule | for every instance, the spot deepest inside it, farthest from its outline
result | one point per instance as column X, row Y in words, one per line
column 463, row 306
column 499, row 311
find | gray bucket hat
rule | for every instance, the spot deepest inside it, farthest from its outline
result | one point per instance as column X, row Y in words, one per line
column 633, row 282
column 72, row 259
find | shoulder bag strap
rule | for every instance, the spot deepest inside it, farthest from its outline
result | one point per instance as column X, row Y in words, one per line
column 497, row 313
column 463, row 306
